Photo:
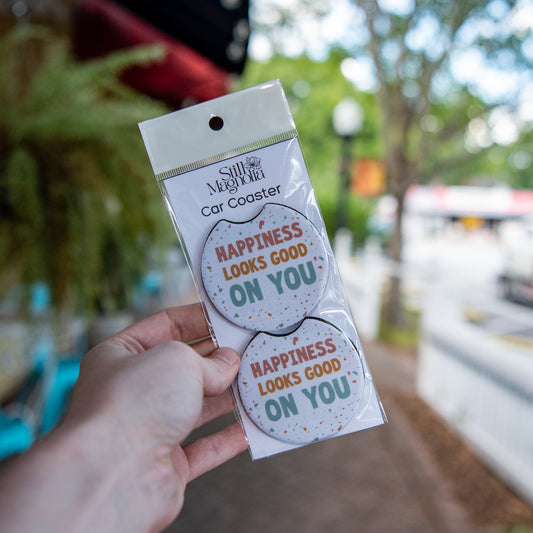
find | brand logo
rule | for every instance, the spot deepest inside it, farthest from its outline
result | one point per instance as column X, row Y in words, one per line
column 231, row 177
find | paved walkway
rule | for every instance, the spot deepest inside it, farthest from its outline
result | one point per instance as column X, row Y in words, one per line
column 381, row 480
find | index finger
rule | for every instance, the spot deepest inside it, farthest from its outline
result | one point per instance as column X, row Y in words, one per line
column 185, row 323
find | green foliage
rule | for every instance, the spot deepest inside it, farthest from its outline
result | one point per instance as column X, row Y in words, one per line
column 404, row 335
column 79, row 204
column 359, row 210
column 519, row 170
column 312, row 107
column 517, row 529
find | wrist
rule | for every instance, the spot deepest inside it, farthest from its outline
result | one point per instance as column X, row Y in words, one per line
column 82, row 478
column 129, row 484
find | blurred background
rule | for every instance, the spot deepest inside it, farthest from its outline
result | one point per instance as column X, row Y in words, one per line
column 416, row 121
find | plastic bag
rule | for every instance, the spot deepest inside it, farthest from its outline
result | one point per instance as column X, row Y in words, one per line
column 235, row 183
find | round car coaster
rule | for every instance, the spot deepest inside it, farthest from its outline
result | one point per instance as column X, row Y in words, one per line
column 268, row 273
column 304, row 386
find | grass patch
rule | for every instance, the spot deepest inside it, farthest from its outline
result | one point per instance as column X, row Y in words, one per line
column 405, row 336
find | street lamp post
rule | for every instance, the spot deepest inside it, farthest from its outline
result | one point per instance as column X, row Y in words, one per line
column 348, row 119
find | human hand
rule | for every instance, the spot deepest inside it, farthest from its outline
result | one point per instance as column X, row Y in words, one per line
column 115, row 463
column 143, row 391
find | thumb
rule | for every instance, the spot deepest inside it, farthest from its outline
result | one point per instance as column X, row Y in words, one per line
column 219, row 369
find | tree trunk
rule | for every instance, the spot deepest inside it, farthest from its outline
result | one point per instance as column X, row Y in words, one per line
column 402, row 173
column 394, row 315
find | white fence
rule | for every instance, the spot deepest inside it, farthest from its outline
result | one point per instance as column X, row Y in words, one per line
column 480, row 383
column 363, row 282
column 483, row 386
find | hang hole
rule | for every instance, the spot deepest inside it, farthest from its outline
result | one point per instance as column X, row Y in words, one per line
column 216, row 123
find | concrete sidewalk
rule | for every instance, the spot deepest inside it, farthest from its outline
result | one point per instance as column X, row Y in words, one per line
column 381, row 480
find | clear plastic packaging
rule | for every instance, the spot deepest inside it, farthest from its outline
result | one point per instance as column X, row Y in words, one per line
column 235, row 183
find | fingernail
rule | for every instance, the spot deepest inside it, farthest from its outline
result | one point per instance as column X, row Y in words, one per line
column 227, row 355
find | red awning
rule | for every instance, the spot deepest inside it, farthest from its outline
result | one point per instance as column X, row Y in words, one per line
column 183, row 77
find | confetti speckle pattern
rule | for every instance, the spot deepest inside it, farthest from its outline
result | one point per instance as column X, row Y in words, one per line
column 267, row 273
column 301, row 387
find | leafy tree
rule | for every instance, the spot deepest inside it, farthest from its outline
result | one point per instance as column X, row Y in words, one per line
column 517, row 160
column 79, row 210
column 411, row 52
column 425, row 109
column 312, row 101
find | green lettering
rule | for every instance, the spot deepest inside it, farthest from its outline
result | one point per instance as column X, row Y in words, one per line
column 288, row 405
column 273, row 410
column 237, row 295
column 344, row 393
column 253, row 290
column 292, row 278
column 311, row 395
column 276, row 281
column 329, row 396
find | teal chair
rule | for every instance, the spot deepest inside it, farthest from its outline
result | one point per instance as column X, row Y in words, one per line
column 57, row 392
column 16, row 434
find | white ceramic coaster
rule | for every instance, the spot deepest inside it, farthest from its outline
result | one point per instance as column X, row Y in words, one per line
column 304, row 386
column 268, row 273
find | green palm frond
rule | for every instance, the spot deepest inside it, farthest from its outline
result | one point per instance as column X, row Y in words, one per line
column 77, row 194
